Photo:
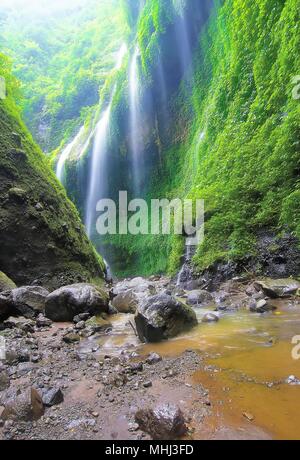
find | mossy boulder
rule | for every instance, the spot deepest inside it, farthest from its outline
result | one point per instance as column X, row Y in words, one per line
column 6, row 284
column 67, row 302
column 278, row 288
column 42, row 238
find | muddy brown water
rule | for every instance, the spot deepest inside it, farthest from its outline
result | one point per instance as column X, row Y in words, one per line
column 248, row 358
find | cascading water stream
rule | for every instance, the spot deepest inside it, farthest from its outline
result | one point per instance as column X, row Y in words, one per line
column 135, row 135
column 60, row 168
column 98, row 185
column 97, row 173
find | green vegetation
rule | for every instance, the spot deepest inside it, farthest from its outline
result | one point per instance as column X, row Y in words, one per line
column 233, row 130
column 237, row 130
column 62, row 58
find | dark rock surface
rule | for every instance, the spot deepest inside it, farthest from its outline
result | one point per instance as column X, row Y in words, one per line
column 162, row 317
column 165, row 422
column 67, row 302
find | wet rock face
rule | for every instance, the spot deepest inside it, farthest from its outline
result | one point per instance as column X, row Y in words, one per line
column 275, row 257
column 278, row 288
column 26, row 406
column 164, row 422
column 69, row 301
column 162, row 317
column 6, row 284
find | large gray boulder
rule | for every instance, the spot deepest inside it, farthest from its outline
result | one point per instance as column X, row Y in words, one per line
column 6, row 284
column 278, row 288
column 69, row 301
column 27, row 301
column 162, row 317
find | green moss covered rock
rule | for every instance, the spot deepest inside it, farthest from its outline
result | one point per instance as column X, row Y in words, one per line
column 42, row 238
column 6, row 284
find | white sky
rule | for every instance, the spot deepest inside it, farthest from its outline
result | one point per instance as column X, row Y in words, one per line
column 41, row 4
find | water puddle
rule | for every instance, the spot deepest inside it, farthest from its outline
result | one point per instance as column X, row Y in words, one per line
column 248, row 358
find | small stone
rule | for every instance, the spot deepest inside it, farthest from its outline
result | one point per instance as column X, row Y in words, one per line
column 153, row 358
column 248, row 416
column 71, row 338
column 147, row 384
column 132, row 427
column 53, row 397
column 164, row 422
column 210, row 317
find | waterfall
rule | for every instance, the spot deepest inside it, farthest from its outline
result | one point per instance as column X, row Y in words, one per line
column 60, row 168
column 185, row 275
column 183, row 43
column 97, row 172
column 135, row 127
column 98, row 184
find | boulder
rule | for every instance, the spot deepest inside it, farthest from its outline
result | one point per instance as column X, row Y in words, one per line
column 262, row 306
column 6, row 284
column 153, row 358
column 25, row 324
column 97, row 324
column 28, row 301
column 69, row 301
column 26, row 406
column 137, row 285
column 162, row 317
column 199, row 297
column 81, row 317
column 278, row 288
column 164, row 423
column 42, row 321
column 210, row 317
column 71, row 338
column 126, row 302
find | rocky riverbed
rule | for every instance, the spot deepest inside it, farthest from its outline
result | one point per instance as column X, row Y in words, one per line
column 92, row 377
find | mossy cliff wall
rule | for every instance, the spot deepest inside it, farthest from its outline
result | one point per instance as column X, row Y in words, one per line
column 233, row 132
column 221, row 125
column 41, row 236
